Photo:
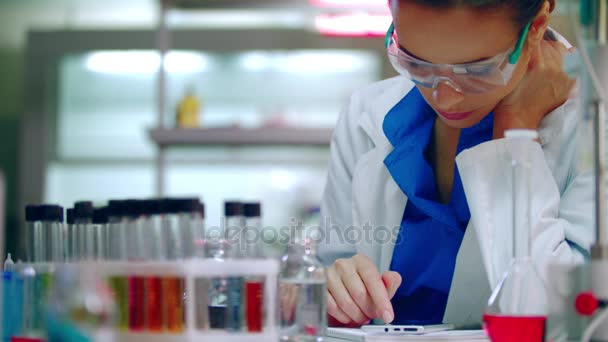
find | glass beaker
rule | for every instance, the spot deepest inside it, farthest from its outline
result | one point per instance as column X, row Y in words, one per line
column 517, row 309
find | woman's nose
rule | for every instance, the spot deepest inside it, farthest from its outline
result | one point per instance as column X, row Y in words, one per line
column 446, row 96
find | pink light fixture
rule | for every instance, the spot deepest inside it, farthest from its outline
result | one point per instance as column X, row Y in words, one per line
column 353, row 25
column 348, row 3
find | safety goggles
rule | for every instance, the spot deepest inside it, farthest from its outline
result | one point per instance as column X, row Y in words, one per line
column 475, row 77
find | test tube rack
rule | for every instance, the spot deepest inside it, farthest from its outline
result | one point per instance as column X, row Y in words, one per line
column 190, row 271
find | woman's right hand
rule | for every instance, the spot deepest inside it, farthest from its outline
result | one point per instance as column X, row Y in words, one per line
column 358, row 293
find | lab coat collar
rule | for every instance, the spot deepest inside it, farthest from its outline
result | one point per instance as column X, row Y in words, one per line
column 382, row 100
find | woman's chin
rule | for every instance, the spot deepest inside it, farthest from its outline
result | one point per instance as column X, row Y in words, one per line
column 462, row 120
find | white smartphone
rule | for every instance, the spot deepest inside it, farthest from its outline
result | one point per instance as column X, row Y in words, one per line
column 407, row 329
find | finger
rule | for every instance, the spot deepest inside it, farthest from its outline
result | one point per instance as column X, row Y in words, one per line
column 375, row 287
column 392, row 281
column 334, row 310
column 554, row 55
column 292, row 301
column 357, row 290
column 293, row 296
column 340, row 293
column 559, row 46
column 286, row 302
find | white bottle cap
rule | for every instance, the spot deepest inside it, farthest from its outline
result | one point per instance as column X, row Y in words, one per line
column 9, row 265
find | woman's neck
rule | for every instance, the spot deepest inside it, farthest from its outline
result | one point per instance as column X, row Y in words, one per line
column 442, row 157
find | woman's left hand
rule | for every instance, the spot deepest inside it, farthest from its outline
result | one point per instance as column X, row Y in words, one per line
column 544, row 88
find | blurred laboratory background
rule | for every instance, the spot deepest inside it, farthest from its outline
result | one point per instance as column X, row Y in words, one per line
column 245, row 109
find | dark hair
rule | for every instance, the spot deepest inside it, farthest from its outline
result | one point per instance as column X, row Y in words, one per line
column 525, row 10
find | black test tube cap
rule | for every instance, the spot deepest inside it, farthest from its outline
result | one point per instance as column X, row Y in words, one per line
column 69, row 217
column 253, row 209
column 201, row 209
column 132, row 208
column 115, row 208
column 32, row 213
column 233, row 208
column 151, row 207
column 83, row 210
column 184, row 205
column 51, row 213
column 100, row 215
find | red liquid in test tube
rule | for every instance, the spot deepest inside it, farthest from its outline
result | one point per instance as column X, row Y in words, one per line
column 136, row 303
column 254, row 305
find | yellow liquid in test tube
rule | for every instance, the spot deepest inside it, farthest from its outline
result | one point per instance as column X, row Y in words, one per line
column 119, row 289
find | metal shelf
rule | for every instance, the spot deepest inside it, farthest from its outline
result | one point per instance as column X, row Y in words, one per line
column 241, row 136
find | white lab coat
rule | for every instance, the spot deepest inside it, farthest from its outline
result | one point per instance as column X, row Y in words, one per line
column 360, row 193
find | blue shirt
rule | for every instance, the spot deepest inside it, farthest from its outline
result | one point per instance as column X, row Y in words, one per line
column 431, row 232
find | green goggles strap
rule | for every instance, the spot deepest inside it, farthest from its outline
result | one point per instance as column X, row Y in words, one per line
column 514, row 57
column 389, row 35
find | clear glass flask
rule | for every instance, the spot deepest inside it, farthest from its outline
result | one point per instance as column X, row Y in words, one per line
column 517, row 309
column 302, row 296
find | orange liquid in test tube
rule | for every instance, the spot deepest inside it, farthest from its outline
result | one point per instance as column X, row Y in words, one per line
column 174, row 304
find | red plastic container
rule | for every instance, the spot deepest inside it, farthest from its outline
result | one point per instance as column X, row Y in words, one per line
column 514, row 329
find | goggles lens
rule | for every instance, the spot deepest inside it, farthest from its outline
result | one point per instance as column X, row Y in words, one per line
column 477, row 77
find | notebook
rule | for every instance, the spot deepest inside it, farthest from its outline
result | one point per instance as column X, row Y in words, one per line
column 349, row 334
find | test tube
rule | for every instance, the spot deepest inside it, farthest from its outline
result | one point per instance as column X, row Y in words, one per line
column 117, row 251
column 191, row 224
column 134, row 211
column 70, row 236
column 254, row 286
column 52, row 216
column 172, row 286
column 233, row 230
column 83, row 220
column 45, row 229
column 117, row 222
column 154, row 284
column 179, row 238
column 201, row 285
column 100, row 223
column 198, row 232
column 45, row 233
column 35, row 234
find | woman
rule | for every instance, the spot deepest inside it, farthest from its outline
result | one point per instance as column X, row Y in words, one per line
column 418, row 164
